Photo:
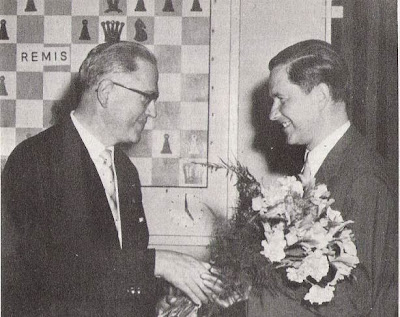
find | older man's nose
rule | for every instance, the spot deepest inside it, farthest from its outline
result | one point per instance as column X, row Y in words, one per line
column 274, row 113
column 151, row 110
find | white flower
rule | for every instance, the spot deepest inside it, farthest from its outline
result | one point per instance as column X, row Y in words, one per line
column 319, row 295
column 296, row 275
column 273, row 251
column 257, row 203
column 317, row 265
column 334, row 215
column 317, row 236
column 291, row 184
column 320, row 191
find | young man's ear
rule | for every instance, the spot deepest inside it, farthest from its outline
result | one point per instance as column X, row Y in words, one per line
column 103, row 90
column 322, row 94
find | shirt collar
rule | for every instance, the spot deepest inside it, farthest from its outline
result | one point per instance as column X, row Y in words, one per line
column 92, row 144
column 317, row 155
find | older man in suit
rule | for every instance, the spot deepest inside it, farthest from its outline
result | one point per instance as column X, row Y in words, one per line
column 74, row 234
column 309, row 87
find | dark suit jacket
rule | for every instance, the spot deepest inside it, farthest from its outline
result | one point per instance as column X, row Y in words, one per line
column 60, row 249
column 358, row 182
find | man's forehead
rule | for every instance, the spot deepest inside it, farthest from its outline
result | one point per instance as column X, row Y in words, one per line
column 277, row 78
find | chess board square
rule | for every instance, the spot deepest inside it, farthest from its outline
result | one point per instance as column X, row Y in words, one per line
column 140, row 29
column 30, row 29
column 48, row 109
column 55, row 85
column 57, row 68
column 169, row 85
column 92, row 24
column 168, row 30
column 195, row 31
column 8, row 8
column 166, row 143
column 144, row 167
column 21, row 134
column 134, row 7
column 11, row 28
column 195, row 59
column 7, row 143
column 30, row 85
column 29, row 114
column 7, row 113
column 195, row 87
column 58, row 7
column 7, row 60
column 192, row 174
column 165, row 172
column 196, row 8
column 119, row 9
column 193, row 115
column 24, row 5
column 28, row 57
column 87, row 7
column 165, row 7
column 143, row 147
column 167, row 116
column 193, row 144
column 169, row 58
column 78, row 54
column 114, row 18
column 10, row 83
column 54, row 26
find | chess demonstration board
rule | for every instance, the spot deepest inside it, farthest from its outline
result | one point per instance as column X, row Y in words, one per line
column 43, row 42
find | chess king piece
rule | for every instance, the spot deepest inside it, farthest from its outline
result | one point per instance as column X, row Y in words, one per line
column 193, row 147
column 112, row 31
column 196, row 6
column 3, row 30
column 3, row 90
column 85, row 36
column 113, row 6
column 140, row 6
column 166, row 148
column 30, row 6
column 141, row 34
column 168, row 6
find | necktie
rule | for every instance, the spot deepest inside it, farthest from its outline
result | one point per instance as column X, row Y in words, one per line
column 108, row 179
column 306, row 176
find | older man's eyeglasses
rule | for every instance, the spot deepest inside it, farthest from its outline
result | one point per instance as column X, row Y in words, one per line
column 149, row 97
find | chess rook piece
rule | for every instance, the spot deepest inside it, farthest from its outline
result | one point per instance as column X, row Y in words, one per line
column 85, row 36
column 3, row 90
column 113, row 6
column 112, row 31
column 141, row 34
column 140, row 6
column 30, row 6
column 3, row 30
column 166, row 148
column 168, row 6
column 196, row 6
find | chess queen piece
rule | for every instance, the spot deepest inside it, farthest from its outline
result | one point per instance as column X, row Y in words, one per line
column 30, row 6
column 85, row 36
column 168, row 6
column 166, row 148
column 3, row 90
column 196, row 6
column 3, row 30
column 140, row 6
column 141, row 34
column 113, row 6
column 112, row 31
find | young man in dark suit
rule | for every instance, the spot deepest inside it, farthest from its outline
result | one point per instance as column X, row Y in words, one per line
column 309, row 87
column 74, row 234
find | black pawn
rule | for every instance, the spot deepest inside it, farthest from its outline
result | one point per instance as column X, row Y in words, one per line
column 30, row 6
column 166, row 148
column 85, row 31
column 140, row 6
column 3, row 90
column 196, row 6
column 3, row 31
column 140, row 28
column 168, row 6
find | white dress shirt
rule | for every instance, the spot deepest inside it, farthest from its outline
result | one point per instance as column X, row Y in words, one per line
column 95, row 147
column 318, row 154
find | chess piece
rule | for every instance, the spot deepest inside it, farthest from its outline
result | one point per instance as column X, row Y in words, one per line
column 3, row 90
column 85, row 36
column 168, row 6
column 196, row 6
column 112, row 31
column 166, row 148
column 140, row 6
column 3, row 30
column 141, row 34
column 193, row 148
column 113, row 6
column 30, row 6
